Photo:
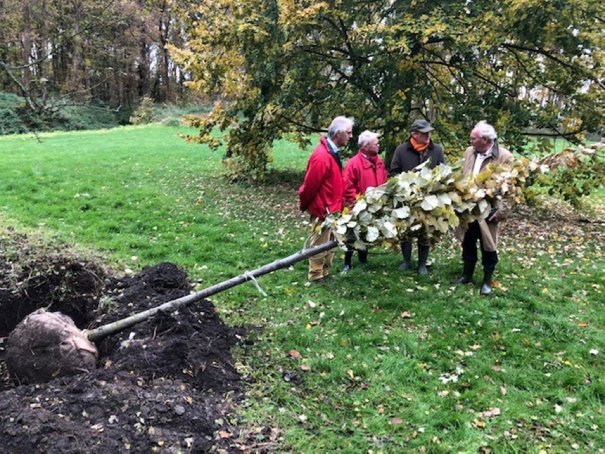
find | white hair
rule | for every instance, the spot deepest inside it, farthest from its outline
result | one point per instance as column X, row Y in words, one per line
column 339, row 124
column 366, row 137
column 486, row 131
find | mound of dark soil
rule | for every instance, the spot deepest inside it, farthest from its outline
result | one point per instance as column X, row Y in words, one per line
column 164, row 385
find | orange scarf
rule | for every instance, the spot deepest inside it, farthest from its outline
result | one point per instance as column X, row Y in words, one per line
column 418, row 147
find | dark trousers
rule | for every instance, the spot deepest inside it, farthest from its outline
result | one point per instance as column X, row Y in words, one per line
column 469, row 249
column 363, row 255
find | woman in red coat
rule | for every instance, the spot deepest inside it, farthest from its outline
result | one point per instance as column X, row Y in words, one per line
column 362, row 171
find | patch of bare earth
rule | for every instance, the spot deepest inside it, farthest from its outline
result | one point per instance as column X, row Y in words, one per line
column 164, row 385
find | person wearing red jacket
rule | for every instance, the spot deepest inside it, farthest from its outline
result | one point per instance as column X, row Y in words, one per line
column 362, row 171
column 322, row 192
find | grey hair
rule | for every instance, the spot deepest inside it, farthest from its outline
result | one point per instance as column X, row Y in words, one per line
column 339, row 124
column 486, row 131
column 366, row 137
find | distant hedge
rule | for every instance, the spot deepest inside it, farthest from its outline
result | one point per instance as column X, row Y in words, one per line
column 16, row 119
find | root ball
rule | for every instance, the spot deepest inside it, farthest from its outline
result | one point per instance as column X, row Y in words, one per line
column 46, row 345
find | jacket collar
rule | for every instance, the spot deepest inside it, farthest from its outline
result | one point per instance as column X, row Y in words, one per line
column 495, row 151
column 430, row 146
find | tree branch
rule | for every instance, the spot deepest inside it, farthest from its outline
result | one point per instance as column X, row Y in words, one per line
column 120, row 325
column 31, row 104
column 540, row 52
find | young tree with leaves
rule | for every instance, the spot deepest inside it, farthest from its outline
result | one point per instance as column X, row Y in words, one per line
column 277, row 65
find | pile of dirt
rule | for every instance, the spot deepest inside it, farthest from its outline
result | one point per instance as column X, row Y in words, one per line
column 164, row 385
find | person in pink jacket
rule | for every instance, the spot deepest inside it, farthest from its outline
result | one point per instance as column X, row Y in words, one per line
column 322, row 192
column 362, row 171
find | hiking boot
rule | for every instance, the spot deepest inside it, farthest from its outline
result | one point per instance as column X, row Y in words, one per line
column 406, row 251
column 423, row 255
column 486, row 287
column 467, row 273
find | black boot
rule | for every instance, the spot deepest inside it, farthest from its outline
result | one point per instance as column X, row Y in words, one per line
column 363, row 256
column 423, row 255
column 467, row 273
column 486, row 287
column 348, row 259
column 406, row 251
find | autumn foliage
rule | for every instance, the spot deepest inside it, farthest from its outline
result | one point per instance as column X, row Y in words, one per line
column 286, row 67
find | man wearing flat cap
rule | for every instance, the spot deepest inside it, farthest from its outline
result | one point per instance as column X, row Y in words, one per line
column 418, row 149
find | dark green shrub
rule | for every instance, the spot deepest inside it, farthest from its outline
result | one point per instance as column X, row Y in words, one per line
column 144, row 113
column 15, row 118
column 10, row 120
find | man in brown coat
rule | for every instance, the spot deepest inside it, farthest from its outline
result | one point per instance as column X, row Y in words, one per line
column 484, row 150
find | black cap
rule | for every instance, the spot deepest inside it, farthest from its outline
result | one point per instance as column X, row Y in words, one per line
column 421, row 126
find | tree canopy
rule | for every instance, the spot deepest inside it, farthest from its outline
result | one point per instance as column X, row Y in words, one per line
column 112, row 53
column 289, row 66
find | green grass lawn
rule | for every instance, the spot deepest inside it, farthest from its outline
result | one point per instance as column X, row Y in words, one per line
column 373, row 361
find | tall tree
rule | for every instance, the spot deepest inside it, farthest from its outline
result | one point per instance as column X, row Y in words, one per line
column 289, row 66
column 109, row 52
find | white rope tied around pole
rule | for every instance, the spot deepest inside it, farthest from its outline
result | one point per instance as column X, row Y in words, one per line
column 251, row 277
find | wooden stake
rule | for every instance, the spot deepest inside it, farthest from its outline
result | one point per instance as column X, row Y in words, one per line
column 120, row 325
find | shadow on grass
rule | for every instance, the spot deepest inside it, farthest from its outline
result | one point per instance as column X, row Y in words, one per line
column 285, row 178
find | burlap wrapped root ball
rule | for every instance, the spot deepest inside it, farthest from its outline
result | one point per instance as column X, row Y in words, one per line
column 46, row 345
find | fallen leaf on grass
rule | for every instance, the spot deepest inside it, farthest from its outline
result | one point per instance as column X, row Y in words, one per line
column 479, row 423
column 490, row 413
column 395, row 421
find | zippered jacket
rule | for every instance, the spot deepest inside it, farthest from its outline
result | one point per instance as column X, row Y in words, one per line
column 406, row 158
column 322, row 191
column 360, row 174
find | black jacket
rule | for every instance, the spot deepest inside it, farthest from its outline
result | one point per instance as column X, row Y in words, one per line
column 406, row 158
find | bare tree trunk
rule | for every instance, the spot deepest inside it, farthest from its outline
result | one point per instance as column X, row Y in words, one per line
column 164, row 32
column 3, row 43
column 26, row 45
column 74, row 77
column 4, row 81
column 144, row 68
column 120, row 325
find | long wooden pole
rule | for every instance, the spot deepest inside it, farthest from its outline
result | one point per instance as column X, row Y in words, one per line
column 120, row 325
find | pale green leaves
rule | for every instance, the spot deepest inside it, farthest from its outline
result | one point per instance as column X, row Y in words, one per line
column 401, row 213
column 426, row 202
column 430, row 202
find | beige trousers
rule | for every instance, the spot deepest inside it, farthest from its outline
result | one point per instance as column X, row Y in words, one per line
column 319, row 265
